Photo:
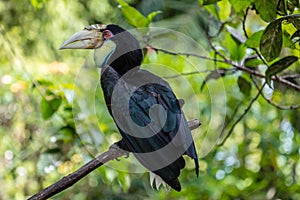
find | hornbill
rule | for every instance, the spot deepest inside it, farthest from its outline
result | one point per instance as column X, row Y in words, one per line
column 145, row 109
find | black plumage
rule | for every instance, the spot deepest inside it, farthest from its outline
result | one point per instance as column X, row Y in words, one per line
column 143, row 105
column 127, row 59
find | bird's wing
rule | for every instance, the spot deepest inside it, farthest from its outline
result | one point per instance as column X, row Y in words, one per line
column 156, row 130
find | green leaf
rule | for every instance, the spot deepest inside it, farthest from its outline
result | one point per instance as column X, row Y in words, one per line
column 152, row 15
column 236, row 49
column 53, row 151
column 133, row 16
column 254, row 40
column 296, row 23
column 67, row 133
column 296, row 36
column 279, row 66
column 271, row 40
column 253, row 62
column 208, row 2
column 37, row 4
column 240, row 5
column 215, row 74
column 244, row 85
column 266, row 9
column 49, row 105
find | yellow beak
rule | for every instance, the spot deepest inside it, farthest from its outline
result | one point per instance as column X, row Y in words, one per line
column 85, row 39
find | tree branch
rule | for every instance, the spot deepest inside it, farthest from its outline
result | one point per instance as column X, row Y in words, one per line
column 229, row 62
column 112, row 153
column 222, row 141
column 281, row 107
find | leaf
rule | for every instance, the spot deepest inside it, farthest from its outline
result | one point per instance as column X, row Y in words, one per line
column 296, row 36
column 152, row 15
column 240, row 5
column 296, row 23
column 133, row 16
column 67, row 133
column 36, row 3
column 236, row 49
column 254, row 40
column 239, row 38
column 271, row 40
column 49, row 105
column 266, row 9
column 279, row 66
column 244, row 85
column 53, row 151
column 252, row 62
column 208, row 2
column 215, row 74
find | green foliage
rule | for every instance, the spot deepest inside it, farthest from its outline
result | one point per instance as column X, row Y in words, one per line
column 254, row 40
column 244, row 85
column 271, row 40
column 50, row 104
column 134, row 17
column 53, row 117
column 266, row 9
column 279, row 66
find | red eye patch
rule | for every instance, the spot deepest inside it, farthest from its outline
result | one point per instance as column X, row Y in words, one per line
column 107, row 34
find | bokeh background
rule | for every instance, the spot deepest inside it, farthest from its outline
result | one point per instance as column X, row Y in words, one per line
column 53, row 118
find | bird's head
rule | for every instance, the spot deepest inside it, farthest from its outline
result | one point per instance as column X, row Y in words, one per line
column 113, row 46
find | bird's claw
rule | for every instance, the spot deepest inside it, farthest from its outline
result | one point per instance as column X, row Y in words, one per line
column 116, row 147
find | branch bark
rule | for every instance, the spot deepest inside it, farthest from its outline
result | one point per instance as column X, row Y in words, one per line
column 112, row 153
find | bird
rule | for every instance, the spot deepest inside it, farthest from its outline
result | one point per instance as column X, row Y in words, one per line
column 144, row 107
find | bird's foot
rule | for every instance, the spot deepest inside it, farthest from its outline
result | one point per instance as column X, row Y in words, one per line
column 116, row 147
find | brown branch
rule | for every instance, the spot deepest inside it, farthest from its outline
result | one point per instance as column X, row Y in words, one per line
column 112, row 153
column 281, row 107
column 229, row 62
column 185, row 54
column 220, row 141
column 292, row 76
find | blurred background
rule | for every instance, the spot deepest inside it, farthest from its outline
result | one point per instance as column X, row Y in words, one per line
column 50, row 125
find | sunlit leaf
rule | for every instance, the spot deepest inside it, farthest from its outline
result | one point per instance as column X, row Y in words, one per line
column 240, row 5
column 236, row 49
column 67, row 134
column 279, row 66
column 207, row 2
column 271, row 40
column 266, row 9
column 133, row 16
column 224, row 10
column 254, row 40
column 152, row 15
column 296, row 36
column 49, row 105
column 244, row 85
column 252, row 62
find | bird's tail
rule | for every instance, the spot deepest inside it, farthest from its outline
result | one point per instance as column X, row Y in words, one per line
column 158, row 181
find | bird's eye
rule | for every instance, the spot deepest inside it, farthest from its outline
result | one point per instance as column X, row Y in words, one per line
column 107, row 34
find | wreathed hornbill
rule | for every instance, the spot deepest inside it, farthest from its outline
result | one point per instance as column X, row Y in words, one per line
column 143, row 106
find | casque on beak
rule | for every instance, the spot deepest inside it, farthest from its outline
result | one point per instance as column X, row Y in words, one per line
column 85, row 39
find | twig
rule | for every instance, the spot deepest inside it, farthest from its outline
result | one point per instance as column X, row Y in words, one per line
column 72, row 178
column 112, row 153
column 227, row 123
column 281, row 107
column 244, row 23
column 221, row 141
column 292, row 76
column 185, row 54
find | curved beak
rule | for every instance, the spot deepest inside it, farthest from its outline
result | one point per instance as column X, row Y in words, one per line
column 85, row 39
